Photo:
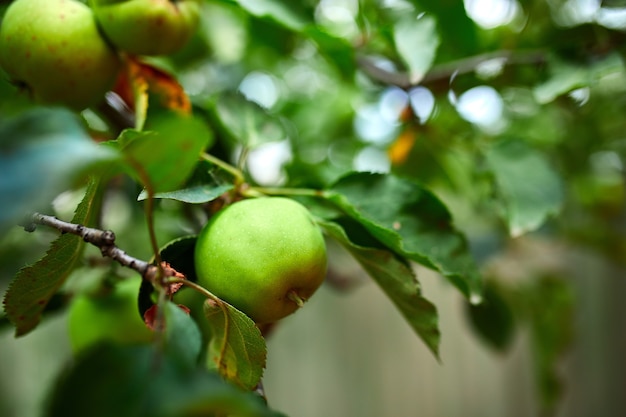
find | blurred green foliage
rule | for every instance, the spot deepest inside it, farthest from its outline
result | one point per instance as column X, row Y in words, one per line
column 510, row 114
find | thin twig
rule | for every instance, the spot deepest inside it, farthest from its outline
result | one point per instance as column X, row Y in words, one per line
column 446, row 71
column 105, row 240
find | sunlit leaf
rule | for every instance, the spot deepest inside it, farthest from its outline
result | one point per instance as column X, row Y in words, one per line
column 164, row 156
column 530, row 187
column 237, row 348
column 417, row 41
column 42, row 153
column 34, row 286
column 398, row 281
column 411, row 221
column 460, row 34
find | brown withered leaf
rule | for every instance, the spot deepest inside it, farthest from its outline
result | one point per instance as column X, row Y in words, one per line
column 139, row 80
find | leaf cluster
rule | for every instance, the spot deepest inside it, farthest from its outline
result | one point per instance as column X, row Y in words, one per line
column 276, row 98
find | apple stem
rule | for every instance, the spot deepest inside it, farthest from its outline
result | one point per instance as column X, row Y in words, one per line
column 293, row 296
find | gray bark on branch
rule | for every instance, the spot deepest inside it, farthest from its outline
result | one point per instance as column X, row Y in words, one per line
column 105, row 240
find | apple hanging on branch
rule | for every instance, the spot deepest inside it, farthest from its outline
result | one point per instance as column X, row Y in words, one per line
column 53, row 50
column 107, row 314
column 147, row 27
column 265, row 256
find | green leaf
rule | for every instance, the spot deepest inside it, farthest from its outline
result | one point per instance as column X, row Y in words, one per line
column 493, row 318
column 197, row 194
column 411, row 221
column 42, row 153
column 245, row 122
column 136, row 381
column 566, row 77
column 337, row 50
column 397, row 280
column 34, row 286
column 163, row 157
column 417, row 41
column 237, row 349
column 207, row 183
column 460, row 35
column 530, row 188
column 182, row 336
column 551, row 314
column 284, row 12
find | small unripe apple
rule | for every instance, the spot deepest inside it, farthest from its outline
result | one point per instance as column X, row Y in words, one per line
column 265, row 256
column 147, row 27
column 107, row 315
column 53, row 49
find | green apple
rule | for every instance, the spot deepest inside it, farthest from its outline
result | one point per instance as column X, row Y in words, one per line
column 108, row 314
column 265, row 256
column 53, row 48
column 147, row 27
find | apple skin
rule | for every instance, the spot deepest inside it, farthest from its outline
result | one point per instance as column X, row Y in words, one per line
column 109, row 315
column 147, row 27
column 255, row 252
column 53, row 48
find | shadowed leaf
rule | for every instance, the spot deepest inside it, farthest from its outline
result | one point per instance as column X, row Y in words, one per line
column 396, row 279
column 143, row 381
column 35, row 285
column 42, row 152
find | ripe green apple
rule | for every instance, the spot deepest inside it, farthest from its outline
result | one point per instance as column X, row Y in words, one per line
column 110, row 314
column 53, row 49
column 147, row 27
column 265, row 256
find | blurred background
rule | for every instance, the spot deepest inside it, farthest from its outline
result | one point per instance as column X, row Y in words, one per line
column 349, row 354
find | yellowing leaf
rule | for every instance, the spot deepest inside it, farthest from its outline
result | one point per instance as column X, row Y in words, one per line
column 140, row 80
column 401, row 148
column 237, row 349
